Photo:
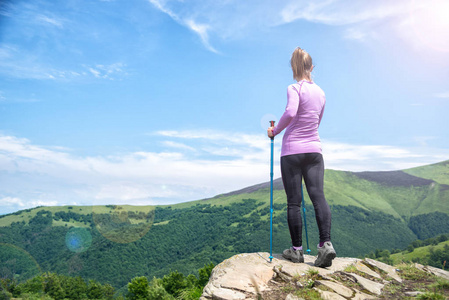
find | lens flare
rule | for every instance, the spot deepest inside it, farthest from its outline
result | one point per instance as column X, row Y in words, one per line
column 75, row 265
column 265, row 121
column 17, row 264
column 430, row 23
column 123, row 223
column 78, row 239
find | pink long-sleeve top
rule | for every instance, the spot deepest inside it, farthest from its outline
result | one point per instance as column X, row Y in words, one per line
column 302, row 117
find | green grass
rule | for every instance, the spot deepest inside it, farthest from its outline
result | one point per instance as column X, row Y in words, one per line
column 344, row 188
column 72, row 223
column 441, row 284
column 420, row 252
column 350, row 269
column 410, row 272
column 438, row 172
column 431, row 296
column 308, row 294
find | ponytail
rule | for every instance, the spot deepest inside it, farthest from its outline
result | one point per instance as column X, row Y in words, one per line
column 301, row 63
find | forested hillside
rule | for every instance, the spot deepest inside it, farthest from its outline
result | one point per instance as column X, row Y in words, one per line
column 113, row 244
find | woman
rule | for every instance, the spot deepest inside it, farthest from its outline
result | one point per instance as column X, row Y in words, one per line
column 301, row 157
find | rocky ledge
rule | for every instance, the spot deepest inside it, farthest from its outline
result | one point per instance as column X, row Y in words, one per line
column 253, row 276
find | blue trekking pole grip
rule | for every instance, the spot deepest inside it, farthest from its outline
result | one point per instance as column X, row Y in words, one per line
column 271, row 195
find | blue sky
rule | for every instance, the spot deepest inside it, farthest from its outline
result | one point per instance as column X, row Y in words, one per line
column 163, row 101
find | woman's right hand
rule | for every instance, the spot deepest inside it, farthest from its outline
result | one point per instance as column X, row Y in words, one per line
column 270, row 132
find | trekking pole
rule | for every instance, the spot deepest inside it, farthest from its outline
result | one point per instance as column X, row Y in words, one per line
column 271, row 194
column 305, row 220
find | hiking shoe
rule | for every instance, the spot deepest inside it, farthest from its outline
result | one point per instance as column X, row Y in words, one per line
column 325, row 255
column 296, row 256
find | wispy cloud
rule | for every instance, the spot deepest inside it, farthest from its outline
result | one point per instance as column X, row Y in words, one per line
column 47, row 43
column 20, row 63
column 13, row 63
column 5, row 8
column 50, row 21
column 202, row 31
column 5, row 99
column 340, row 12
column 359, row 20
column 195, row 165
column 231, row 19
column 189, row 22
column 111, row 72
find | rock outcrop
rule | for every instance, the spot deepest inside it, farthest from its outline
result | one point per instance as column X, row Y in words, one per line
column 253, row 276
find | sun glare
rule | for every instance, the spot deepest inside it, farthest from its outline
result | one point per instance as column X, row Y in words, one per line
column 430, row 23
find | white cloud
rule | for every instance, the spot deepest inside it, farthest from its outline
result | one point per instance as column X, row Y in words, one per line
column 12, row 201
column 342, row 156
column 112, row 72
column 172, row 144
column 356, row 34
column 10, row 204
column 94, row 72
column 34, row 203
column 202, row 31
column 422, row 140
column 444, row 95
column 123, row 191
column 48, row 20
column 341, row 12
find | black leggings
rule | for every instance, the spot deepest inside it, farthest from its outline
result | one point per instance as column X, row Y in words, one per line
column 311, row 167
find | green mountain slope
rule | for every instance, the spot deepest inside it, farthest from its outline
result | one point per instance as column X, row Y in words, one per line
column 421, row 254
column 438, row 172
column 395, row 192
column 113, row 244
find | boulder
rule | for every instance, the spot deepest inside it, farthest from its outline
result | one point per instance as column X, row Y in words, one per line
column 253, row 276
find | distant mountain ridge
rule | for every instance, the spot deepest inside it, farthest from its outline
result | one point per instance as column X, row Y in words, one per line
column 390, row 178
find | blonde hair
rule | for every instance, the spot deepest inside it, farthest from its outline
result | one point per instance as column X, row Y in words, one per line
column 301, row 63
